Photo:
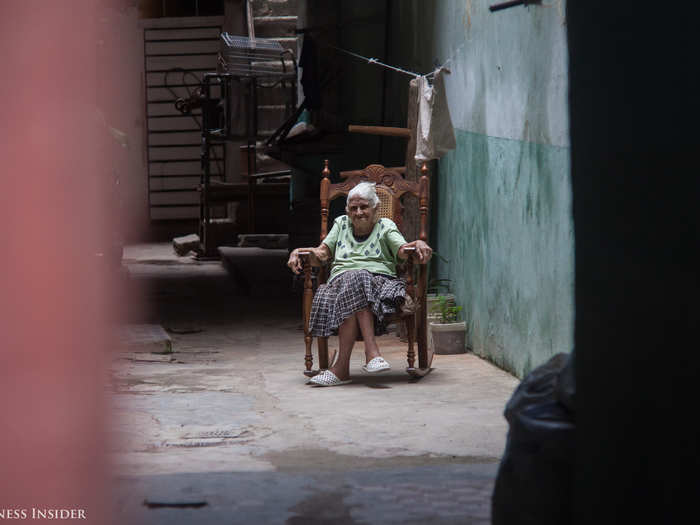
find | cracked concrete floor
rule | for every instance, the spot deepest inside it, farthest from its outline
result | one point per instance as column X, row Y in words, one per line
column 230, row 421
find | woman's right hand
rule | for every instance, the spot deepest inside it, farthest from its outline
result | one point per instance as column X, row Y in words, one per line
column 295, row 264
column 317, row 257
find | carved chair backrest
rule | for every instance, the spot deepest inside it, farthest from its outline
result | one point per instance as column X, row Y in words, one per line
column 391, row 186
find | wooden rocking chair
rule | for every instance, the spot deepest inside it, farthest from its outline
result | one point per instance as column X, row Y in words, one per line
column 391, row 186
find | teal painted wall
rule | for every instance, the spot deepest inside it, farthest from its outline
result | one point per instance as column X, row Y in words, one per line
column 504, row 224
column 503, row 216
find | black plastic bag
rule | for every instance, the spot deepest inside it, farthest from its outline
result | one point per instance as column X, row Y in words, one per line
column 535, row 477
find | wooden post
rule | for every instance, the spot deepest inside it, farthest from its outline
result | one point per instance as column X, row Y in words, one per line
column 325, row 184
column 411, row 336
column 410, row 321
column 308, row 297
column 322, row 274
column 423, row 272
column 410, row 219
column 424, row 183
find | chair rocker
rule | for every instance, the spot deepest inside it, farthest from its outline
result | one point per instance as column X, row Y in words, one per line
column 390, row 187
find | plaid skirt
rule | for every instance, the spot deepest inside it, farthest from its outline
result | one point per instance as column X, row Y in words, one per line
column 351, row 291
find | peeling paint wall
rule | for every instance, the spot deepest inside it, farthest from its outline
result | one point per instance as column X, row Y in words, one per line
column 503, row 216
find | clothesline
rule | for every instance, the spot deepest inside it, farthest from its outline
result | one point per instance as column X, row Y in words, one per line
column 379, row 63
column 434, row 132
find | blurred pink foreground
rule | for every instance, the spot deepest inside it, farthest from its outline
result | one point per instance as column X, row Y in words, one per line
column 54, row 297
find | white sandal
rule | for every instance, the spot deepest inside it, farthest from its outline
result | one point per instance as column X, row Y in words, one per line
column 328, row 378
column 378, row 364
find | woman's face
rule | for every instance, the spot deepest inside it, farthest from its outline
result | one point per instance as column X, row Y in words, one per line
column 362, row 215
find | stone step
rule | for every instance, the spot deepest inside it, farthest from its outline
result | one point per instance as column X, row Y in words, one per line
column 144, row 338
column 259, row 271
column 265, row 240
column 185, row 244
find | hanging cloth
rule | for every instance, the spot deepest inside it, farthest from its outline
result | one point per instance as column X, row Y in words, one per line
column 435, row 135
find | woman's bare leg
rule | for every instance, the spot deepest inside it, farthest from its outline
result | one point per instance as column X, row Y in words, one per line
column 347, row 335
column 365, row 319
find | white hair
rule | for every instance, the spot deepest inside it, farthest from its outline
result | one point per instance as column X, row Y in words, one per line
column 366, row 191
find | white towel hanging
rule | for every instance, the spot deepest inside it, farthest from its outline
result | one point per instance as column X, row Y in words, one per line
column 434, row 134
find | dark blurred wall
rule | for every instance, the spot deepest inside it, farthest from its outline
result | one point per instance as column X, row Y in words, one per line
column 634, row 134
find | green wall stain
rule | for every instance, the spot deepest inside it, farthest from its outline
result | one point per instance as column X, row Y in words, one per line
column 504, row 222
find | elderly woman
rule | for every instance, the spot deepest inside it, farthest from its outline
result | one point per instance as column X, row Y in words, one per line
column 363, row 288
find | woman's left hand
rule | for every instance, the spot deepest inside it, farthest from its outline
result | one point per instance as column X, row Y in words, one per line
column 422, row 251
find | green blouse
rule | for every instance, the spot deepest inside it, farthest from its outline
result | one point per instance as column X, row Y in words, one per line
column 377, row 253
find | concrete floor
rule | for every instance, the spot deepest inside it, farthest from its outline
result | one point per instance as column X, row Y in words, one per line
column 229, row 420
